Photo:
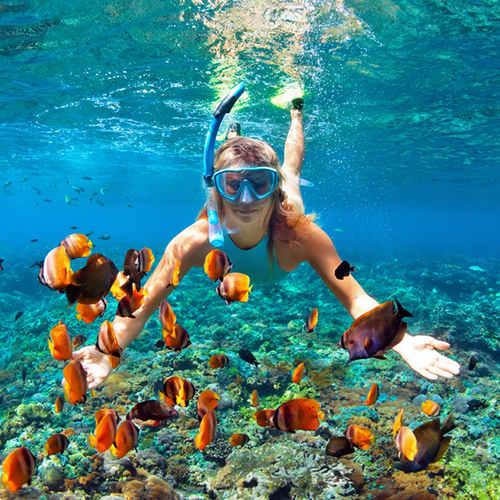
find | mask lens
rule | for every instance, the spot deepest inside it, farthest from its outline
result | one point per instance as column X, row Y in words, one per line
column 260, row 181
column 231, row 182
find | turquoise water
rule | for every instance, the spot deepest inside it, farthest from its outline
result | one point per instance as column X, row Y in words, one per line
column 402, row 125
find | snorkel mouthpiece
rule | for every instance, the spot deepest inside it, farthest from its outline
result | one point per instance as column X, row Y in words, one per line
column 215, row 235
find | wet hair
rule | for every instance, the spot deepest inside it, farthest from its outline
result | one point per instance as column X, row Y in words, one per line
column 286, row 224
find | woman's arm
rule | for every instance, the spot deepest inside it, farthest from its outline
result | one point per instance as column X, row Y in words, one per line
column 190, row 248
column 418, row 351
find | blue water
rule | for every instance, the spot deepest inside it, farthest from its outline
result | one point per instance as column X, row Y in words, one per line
column 402, row 121
column 402, row 115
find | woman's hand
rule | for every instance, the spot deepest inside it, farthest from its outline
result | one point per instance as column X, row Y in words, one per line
column 419, row 352
column 95, row 363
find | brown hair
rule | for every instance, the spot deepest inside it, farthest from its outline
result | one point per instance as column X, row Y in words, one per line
column 286, row 223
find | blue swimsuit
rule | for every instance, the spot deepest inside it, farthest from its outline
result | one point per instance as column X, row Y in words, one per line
column 254, row 262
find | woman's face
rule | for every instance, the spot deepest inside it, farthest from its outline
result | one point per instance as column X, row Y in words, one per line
column 247, row 208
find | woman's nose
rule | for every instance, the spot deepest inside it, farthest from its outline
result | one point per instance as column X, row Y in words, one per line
column 246, row 195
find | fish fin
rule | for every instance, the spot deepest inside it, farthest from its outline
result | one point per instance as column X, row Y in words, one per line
column 368, row 344
column 321, row 415
column 250, row 289
column 197, row 440
column 79, row 316
column 112, row 449
column 380, row 356
column 72, row 293
column 92, row 440
column 445, row 442
column 51, row 346
column 402, row 312
column 448, row 425
column 303, row 182
column 156, row 423
column 92, row 393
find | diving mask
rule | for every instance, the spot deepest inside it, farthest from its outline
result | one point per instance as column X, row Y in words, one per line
column 260, row 181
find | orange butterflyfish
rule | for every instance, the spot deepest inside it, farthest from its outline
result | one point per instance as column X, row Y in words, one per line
column 92, row 282
column 298, row 373
column 75, row 386
column 116, row 289
column 128, row 305
column 179, row 390
column 406, row 443
column 55, row 271
column 431, row 408
column 57, row 443
column 144, row 261
column 397, row 423
column 174, row 276
column 79, row 340
column 125, row 439
column 178, row 340
column 89, row 312
column 108, row 344
column 234, row 288
column 373, row 394
column 59, row 404
column 255, row 398
column 217, row 265
column 105, row 432
column 312, row 321
column 359, row 436
column 208, row 428
column 18, row 467
column 167, row 317
column 60, row 345
column 264, row 418
column 299, row 414
column 218, row 361
column 239, row 439
column 77, row 245
column 207, row 401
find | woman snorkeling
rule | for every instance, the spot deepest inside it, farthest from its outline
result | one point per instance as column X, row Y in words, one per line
column 267, row 235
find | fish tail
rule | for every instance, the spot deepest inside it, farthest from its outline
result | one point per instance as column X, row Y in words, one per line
column 402, row 312
column 250, row 289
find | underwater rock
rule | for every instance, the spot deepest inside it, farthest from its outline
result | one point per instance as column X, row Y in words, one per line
column 34, row 411
column 460, row 405
column 218, row 450
column 152, row 489
column 52, row 477
column 150, row 459
column 289, row 469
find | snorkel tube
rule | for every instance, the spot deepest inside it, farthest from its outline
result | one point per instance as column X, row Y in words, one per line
column 215, row 235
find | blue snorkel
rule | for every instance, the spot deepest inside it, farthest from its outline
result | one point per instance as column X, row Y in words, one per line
column 215, row 235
